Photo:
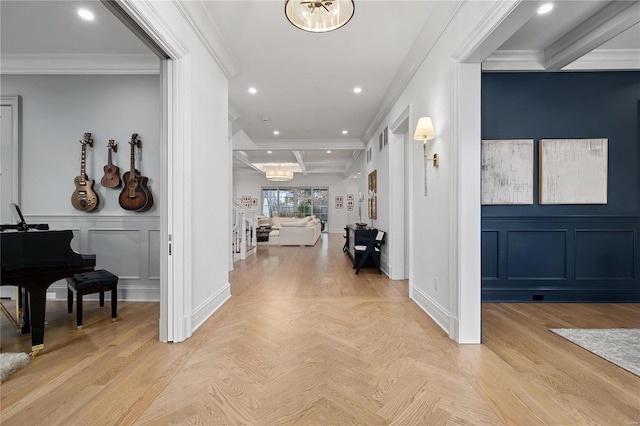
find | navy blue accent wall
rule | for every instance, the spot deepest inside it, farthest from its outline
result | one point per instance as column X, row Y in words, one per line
column 565, row 253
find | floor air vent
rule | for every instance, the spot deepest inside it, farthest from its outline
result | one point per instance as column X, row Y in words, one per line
column 538, row 297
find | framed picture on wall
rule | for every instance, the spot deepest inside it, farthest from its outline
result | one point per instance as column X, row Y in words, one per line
column 254, row 202
column 507, row 171
column 350, row 197
column 339, row 201
column 573, row 171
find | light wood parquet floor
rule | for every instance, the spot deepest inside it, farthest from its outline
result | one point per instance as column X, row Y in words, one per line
column 303, row 341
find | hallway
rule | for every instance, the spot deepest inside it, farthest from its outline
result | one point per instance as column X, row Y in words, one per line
column 303, row 340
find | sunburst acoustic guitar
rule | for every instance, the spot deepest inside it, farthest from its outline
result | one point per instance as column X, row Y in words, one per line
column 111, row 178
column 84, row 198
column 135, row 195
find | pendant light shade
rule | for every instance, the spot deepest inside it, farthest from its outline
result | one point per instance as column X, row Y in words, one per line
column 319, row 16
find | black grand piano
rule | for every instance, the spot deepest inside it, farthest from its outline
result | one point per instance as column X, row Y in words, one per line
column 33, row 258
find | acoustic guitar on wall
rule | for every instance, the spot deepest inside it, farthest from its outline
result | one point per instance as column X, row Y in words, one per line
column 135, row 195
column 111, row 178
column 84, row 198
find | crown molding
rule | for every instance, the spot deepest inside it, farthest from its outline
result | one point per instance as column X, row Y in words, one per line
column 436, row 23
column 79, row 64
column 607, row 60
column 615, row 18
column 200, row 21
column 534, row 60
column 514, row 60
column 301, row 144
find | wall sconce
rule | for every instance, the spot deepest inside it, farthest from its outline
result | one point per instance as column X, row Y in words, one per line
column 425, row 132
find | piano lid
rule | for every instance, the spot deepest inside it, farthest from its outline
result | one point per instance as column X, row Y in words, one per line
column 35, row 249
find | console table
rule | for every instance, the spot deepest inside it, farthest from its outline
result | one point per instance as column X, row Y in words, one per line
column 359, row 236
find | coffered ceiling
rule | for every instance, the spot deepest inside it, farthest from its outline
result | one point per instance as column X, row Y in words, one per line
column 304, row 82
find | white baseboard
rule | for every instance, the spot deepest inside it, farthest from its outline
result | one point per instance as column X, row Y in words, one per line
column 202, row 312
column 432, row 308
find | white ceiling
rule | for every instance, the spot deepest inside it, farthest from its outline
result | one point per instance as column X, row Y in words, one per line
column 305, row 81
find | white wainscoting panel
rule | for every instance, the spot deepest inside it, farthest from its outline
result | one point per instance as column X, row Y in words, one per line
column 127, row 246
column 118, row 251
column 154, row 255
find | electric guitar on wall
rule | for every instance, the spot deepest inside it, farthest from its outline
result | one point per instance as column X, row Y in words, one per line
column 84, row 198
column 111, row 178
column 135, row 195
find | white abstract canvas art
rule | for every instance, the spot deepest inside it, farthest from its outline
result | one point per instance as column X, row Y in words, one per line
column 507, row 171
column 573, row 171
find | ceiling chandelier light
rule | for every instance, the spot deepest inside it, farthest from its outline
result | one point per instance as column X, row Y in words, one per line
column 319, row 16
column 279, row 175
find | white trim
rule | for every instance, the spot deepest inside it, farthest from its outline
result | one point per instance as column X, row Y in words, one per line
column 176, row 301
column 205, row 28
column 453, row 324
column 81, row 64
column 425, row 41
column 432, row 308
column 14, row 103
column 500, row 23
column 514, row 60
column 607, row 60
column 533, row 60
column 207, row 308
column 465, row 288
column 613, row 19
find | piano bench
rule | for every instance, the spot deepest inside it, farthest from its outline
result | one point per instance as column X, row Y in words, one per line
column 88, row 283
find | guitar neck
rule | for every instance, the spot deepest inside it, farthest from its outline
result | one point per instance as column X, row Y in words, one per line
column 82, row 164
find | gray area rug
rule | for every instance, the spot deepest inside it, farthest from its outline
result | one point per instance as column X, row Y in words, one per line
column 620, row 346
column 12, row 362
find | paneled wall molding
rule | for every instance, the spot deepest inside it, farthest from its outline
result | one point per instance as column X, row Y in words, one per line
column 566, row 258
column 80, row 64
column 128, row 246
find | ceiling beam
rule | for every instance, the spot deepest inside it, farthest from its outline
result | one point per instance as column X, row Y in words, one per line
column 354, row 166
column 244, row 159
column 302, row 144
column 611, row 20
column 300, row 159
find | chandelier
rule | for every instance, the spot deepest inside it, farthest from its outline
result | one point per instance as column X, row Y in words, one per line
column 319, row 16
column 279, row 175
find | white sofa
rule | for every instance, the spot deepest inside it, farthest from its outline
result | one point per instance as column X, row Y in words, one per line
column 295, row 231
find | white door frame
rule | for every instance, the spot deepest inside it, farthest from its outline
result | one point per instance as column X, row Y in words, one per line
column 397, row 201
column 175, row 201
column 13, row 102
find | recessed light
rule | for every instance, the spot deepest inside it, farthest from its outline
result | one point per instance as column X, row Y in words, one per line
column 269, row 152
column 276, row 132
column 357, row 89
column 86, row 14
column 253, row 90
column 328, row 151
column 545, row 8
column 344, row 132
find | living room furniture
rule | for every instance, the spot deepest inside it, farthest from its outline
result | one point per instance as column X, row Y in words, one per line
column 262, row 233
column 293, row 231
column 359, row 236
column 370, row 250
column 97, row 281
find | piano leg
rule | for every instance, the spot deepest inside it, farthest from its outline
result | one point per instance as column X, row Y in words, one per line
column 22, row 310
column 37, row 299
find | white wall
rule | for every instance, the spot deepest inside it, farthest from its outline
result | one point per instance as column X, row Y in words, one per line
column 56, row 112
column 442, row 232
column 252, row 184
column 197, row 159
